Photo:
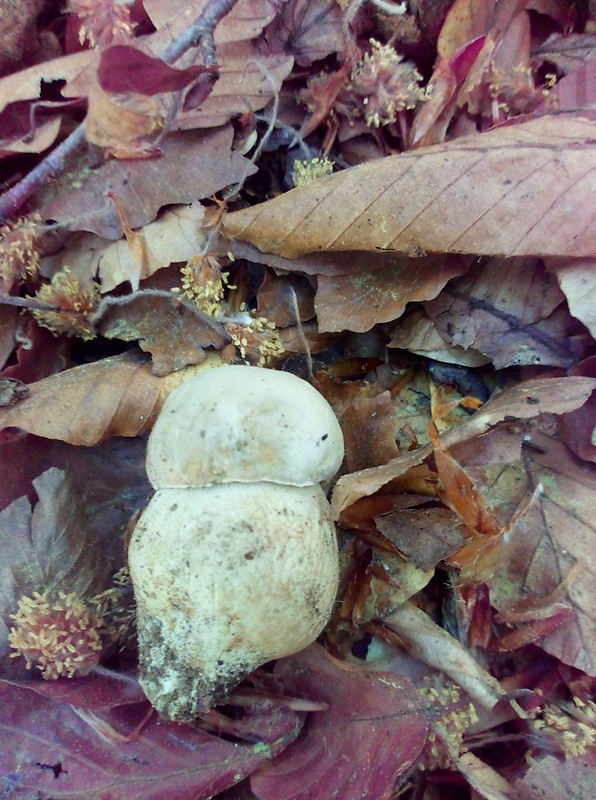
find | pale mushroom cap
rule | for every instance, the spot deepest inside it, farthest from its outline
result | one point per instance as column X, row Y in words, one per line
column 244, row 424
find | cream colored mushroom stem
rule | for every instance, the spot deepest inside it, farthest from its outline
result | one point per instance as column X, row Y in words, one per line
column 234, row 562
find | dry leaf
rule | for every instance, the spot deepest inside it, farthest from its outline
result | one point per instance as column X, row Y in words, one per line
column 549, row 777
column 194, row 165
column 518, row 190
column 175, row 237
column 245, row 21
column 175, row 333
column 568, row 52
column 556, row 532
column 434, row 646
column 359, row 300
column 577, row 279
column 52, row 547
column 525, row 400
column 373, row 731
column 505, row 309
column 117, row 396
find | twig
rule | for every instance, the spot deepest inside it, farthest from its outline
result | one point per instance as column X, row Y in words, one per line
column 24, row 302
column 49, row 167
column 200, row 32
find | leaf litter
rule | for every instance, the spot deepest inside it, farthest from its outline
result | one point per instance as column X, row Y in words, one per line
column 395, row 203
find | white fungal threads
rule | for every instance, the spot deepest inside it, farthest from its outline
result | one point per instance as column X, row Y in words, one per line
column 234, row 562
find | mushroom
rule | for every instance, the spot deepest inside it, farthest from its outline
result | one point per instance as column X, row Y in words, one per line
column 234, row 562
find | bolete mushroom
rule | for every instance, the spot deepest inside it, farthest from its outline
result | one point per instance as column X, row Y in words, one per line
column 234, row 561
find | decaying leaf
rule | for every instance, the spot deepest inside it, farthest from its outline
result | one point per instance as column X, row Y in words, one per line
column 359, row 300
column 175, row 333
column 556, row 533
column 500, row 193
column 506, row 310
column 193, row 166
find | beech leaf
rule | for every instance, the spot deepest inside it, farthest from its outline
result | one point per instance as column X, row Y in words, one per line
column 515, row 190
column 371, row 734
column 557, row 532
column 67, row 753
column 117, row 396
column 123, row 69
column 359, row 300
column 50, row 547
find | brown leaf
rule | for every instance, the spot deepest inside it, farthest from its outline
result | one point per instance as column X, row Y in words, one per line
column 578, row 428
column 176, row 236
column 369, row 425
column 18, row 24
column 426, row 536
column 518, row 190
column 549, row 777
column 504, row 310
column 115, row 121
column 525, row 400
column 247, row 81
column 245, row 21
column 577, row 279
column 118, row 396
column 174, row 333
column 555, row 533
column 311, row 29
column 27, row 84
column 359, row 300
column 569, row 52
column 194, row 165
column 373, row 731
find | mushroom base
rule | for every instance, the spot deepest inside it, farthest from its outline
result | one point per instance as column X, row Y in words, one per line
column 226, row 578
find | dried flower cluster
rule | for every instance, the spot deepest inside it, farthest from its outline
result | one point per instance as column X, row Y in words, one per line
column 571, row 730
column 105, row 23
column 65, row 635
column 205, row 284
column 19, row 256
column 445, row 739
column 60, row 637
column 387, row 84
column 307, row 171
column 381, row 86
column 258, row 342
column 76, row 304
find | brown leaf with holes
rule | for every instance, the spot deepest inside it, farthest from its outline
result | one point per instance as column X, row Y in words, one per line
column 513, row 191
column 175, row 333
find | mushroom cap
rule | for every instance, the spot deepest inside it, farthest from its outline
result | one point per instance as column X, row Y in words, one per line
column 244, row 424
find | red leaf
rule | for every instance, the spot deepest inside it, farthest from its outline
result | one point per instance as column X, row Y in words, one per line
column 123, row 69
column 58, row 751
column 371, row 734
